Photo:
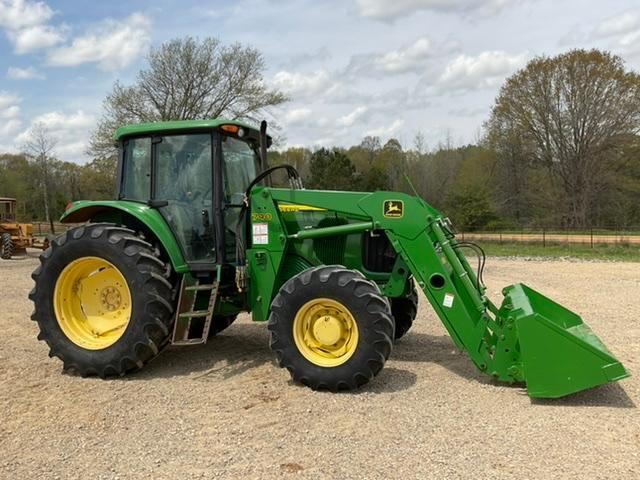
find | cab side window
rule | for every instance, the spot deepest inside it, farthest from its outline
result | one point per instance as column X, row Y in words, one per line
column 136, row 180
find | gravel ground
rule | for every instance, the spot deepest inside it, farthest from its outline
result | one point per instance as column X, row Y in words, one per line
column 224, row 410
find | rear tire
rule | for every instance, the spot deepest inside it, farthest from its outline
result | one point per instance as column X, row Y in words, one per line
column 347, row 328
column 150, row 292
column 6, row 246
column 404, row 311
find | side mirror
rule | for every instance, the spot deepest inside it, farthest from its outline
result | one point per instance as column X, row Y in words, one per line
column 155, row 203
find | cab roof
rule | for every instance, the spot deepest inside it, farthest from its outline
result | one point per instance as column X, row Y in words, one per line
column 179, row 126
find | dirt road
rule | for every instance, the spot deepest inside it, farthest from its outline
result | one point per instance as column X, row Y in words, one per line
column 225, row 410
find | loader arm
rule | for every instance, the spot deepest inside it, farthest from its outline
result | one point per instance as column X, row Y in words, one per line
column 529, row 339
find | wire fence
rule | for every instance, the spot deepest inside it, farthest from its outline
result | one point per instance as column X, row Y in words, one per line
column 44, row 228
column 592, row 237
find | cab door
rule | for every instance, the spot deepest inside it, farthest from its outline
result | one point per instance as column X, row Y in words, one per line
column 182, row 182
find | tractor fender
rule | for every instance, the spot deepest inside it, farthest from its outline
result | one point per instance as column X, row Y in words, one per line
column 135, row 215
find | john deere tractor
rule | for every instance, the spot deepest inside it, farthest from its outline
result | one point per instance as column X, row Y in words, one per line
column 197, row 235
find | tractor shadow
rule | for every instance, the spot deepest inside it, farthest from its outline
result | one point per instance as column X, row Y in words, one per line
column 389, row 380
column 609, row 395
column 240, row 348
column 27, row 255
column 424, row 348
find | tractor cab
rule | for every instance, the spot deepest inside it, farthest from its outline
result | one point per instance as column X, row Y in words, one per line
column 195, row 175
column 7, row 210
column 16, row 237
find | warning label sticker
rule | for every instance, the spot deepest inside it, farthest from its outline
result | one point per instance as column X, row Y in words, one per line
column 448, row 300
column 260, row 233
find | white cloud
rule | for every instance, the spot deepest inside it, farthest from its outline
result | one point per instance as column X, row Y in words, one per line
column 410, row 58
column 36, row 38
column 17, row 73
column 489, row 69
column 351, row 118
column 10, row 122
column 112, row 44
column 68, row 130
column 405, row 59
column 297, row 115
column 629, row 44
column 58, row 121
column 622, row 32
column 300, row 85
column 386, row 130
column 390, row 10
column 10, row 127
column 18, row 14
column 10, row 112
column 7, row 100
column 25, row 23
column 324, row 142
column 619, row 24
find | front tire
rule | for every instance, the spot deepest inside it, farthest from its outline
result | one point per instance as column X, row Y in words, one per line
column 331, row 328
column 404, row 310
column 103, row 300
column 6, row 246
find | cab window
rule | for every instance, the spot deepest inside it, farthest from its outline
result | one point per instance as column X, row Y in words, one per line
column 136, row 178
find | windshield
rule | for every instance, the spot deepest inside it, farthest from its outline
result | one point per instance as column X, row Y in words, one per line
column 240, row 168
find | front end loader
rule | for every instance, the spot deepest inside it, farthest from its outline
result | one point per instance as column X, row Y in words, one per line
column 197, row 235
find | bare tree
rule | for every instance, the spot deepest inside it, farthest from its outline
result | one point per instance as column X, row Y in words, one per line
column 571, row 114
column 420, row 143
column 372, row 146
column 39, row 147
column 187, row 79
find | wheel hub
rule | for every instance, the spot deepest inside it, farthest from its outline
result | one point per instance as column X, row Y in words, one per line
column 325, row 332
column 92, row 303
column 328, row 330
column 111, row 298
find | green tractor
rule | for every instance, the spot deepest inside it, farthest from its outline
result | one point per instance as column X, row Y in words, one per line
column 197, row 235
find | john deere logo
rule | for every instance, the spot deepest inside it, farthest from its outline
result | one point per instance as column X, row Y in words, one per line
column 393, row 208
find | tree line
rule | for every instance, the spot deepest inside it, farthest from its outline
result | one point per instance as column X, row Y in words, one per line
column 560, row 148
column 43, row 193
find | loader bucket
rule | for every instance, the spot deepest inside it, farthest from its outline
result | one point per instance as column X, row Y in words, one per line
column 559, row 353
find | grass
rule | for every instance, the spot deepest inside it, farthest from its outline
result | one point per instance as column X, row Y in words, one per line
column 620, row 253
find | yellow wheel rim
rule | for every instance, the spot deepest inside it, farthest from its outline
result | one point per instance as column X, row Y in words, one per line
column 92, row 303
column 325, row 332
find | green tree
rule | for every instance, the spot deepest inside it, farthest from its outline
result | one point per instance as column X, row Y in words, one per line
column 470, row 208
column 331, row 170
column 392, row 163
column 98, row 179
column 571, row 114
column 373, row 179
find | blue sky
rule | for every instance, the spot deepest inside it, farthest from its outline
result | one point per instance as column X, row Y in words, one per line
column 352, row 67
